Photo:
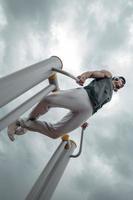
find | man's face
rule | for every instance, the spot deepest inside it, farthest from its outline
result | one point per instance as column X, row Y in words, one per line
column 118, row 84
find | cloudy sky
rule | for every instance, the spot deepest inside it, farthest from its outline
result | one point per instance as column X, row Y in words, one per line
column 86, row 35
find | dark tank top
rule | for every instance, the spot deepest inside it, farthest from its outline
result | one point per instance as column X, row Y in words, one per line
column 100, row 91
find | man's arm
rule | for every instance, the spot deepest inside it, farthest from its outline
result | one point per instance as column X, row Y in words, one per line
column 94, row 74
column 97, row 74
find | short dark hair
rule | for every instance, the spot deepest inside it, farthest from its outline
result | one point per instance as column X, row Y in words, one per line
column 119, row 77
column 123, row 79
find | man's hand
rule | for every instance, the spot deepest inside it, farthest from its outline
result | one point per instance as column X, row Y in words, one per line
column 82, row 78
column 85, row 125
column 16, row 129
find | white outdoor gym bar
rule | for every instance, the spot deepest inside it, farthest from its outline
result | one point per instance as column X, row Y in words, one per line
column 16, row 84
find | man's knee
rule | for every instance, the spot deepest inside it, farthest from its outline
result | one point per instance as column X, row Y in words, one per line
column 85, row 112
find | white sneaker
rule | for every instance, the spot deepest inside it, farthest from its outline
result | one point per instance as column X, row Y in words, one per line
column 11, row 130
column 15, row 129
column 20, row 131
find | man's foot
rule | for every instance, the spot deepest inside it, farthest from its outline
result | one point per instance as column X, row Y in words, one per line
column 11, row 130
column 15, row 129
column 20, row 131
column 20, row 127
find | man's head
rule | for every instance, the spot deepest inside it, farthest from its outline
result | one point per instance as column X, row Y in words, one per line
column 118, row 82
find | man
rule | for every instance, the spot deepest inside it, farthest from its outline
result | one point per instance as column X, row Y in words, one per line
column 82, row 103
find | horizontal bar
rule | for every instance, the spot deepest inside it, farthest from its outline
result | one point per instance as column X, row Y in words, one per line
column 66, row 74
column 17, row 112
column 19, row 82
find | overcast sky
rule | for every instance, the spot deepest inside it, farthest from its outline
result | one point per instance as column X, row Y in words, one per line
column 86, row 35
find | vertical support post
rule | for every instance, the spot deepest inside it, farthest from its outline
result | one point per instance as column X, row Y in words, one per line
column 46, row 184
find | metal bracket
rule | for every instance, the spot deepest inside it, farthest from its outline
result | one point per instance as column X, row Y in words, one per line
column 81, row 141
column 66, row 73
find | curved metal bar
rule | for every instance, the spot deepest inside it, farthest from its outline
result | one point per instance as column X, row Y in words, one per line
column 66, row 73
column 84, row 126
column 81, row 144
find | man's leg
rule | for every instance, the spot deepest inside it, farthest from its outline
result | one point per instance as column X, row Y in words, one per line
column 67, row 124
column 72, row 99
column 76, row 100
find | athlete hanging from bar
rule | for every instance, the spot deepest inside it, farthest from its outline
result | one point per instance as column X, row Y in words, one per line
column 82, row 103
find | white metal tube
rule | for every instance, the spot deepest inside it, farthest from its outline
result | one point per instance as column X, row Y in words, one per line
column 17, row 112
column 66, row 74
column 46, row 184
column 19, row 82
column 34, row 193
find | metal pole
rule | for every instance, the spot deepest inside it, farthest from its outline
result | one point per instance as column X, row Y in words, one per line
column 22, row 108
column 46, row 184
column 66, row 74
column 19, row 82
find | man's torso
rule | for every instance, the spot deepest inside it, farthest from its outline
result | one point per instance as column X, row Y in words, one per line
column 100, row 92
